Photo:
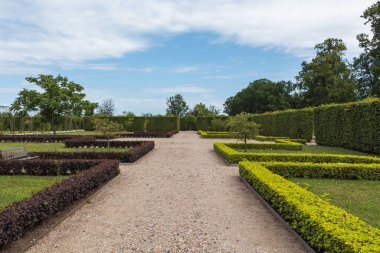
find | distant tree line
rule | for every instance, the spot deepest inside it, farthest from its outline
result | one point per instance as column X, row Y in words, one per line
column 327, row 78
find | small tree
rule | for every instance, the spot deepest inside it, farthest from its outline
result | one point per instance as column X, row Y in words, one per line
column 107, row 128
column 176, row 105
column 219, row 125
column 190, row 120
column 107, row 107
column 243, row 127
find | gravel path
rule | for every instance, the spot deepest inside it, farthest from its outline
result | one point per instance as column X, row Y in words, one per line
column 179, row 198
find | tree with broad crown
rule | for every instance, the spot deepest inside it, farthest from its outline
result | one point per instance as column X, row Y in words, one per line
column 59, row 98
column 328, row 78
column 243, row 127
column 367, row 66
column 176, row 105
column 260, row 96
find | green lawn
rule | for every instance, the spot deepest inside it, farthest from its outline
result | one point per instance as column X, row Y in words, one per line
column 52, row 147
column 311, row 149
column 16, row 188
column 358, row 197
column 66, row 133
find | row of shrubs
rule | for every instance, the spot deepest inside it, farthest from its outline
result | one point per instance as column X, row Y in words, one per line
column 233, row 156
column 288, row 145
column 132, row 155
column 353, row 125
column 325, row 227
column 42, row 138
column 139, row 124
column 15, row 123
column 148, row 134
column 40, row 167
column 22, row 216
column 81, row 143
column 230, row 135
column 325, row 170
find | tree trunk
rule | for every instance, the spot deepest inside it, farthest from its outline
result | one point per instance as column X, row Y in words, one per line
column 245, row 142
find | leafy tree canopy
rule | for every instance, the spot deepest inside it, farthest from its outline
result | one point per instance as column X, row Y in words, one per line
column 176, row 106
column 367, row 65
column 328, row 78
column 243, row 127
column 59, row 97
column 107, row 108
column 260, row 96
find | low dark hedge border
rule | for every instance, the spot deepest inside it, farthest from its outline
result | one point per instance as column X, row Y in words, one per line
column 325, row 170
column 43, row 138
column 50, row 167
column 325, row 227
column 76, row 143
column 148, row 134
column 129, row 156
column 233, row 156
column 22, row 216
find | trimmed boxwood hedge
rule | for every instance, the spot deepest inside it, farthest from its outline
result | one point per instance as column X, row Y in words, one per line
column 148, row 134
column 296, row 124
column 40, row 167
column 22, row 216
column 288, row 145
column 325, row 170
column 211, row 134
column 325, row 227
column 136, row 152
column 233, row 156
column 353, row 125
column 164, row 123
column 43, row 138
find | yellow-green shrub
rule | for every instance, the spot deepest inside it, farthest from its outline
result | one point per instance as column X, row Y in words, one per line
column 233, row 156
column 325, row 227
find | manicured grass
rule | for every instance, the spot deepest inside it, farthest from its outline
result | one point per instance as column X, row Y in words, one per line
column 54, row 147
column 359, row 197
column 311, row 149
column 16, row 188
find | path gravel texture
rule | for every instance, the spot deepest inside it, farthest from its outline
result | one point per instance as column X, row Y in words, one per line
column 181, row 197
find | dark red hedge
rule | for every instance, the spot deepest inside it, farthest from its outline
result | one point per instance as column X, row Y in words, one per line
column 149, row 134
column 100, row 143
column 140, row 149
column 42, row 138
column 21, row 216
column 38, row 167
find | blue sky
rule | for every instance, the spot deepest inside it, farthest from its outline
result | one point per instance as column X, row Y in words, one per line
column 140, row 52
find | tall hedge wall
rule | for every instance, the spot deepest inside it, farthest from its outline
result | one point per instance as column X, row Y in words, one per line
column 289, row 123
column 204, row 122
column 14, row 123
column 153, row 123
column 352, row 125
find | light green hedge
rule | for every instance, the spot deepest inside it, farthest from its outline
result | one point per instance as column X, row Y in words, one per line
column 325, row 227
column 291, row 123
column 352, row 125
column 233, row 156
column 210, row 134
column 287, row 145
column 325, row 170
column 154, row 123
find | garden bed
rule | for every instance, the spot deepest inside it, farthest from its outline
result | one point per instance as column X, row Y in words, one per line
column 234, row 156
column 324, row 226
column 22, row 216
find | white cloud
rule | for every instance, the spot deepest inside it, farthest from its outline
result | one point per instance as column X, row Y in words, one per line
column 216, row 77
column 41, row 33
column 185, row 69
column 177, row 89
